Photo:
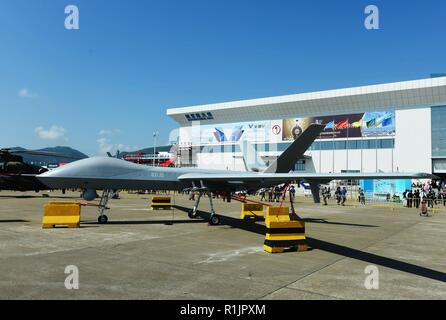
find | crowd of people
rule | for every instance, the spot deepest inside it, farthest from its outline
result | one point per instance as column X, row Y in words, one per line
column 340, row 195
column 424, row 196
column 421, row 196
column 413, row 198
column 275, row 194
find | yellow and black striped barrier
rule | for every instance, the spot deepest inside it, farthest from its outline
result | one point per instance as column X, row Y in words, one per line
column 251, row 210
column 283, row 233
column 61, row 214
column 159, row 202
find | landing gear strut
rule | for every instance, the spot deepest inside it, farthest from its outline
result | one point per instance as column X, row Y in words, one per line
column 193, row 212
column 105, row 198
column 214, row 219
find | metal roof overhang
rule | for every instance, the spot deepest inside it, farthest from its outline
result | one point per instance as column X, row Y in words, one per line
column 398, row 95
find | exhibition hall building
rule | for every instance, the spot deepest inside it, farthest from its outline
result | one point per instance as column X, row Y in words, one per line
column 391, row 127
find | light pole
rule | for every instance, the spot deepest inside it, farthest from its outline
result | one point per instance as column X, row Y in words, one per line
column 155, row 134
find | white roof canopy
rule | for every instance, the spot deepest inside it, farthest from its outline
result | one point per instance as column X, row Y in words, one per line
column 381, row 97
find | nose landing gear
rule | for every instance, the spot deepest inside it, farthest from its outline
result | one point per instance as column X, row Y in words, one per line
column 105, row 198
column 103, row 219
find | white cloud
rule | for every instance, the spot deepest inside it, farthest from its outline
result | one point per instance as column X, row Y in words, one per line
column 25, row 93
column 106, row 145
column 109, row 132
column 53, row 133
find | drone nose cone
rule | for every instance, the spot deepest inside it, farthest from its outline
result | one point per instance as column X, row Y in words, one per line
column 54, row 179
column 49, row 174
column 87, row 173
column 63, row 177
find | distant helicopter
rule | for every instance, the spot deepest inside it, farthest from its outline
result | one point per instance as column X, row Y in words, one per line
column 17, row 175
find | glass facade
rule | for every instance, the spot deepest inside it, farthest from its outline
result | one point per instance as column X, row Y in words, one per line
column 439, row 131
column 299, row 166
column 317, row 145
column 336, row 145
column 354, row 144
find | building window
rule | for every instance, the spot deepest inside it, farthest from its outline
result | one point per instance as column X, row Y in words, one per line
column 199, row 116
column 387, row 144
column 352, row 144
column 300, row 165
column 371, row 144
column 438, row 131
column 316, row 146
column 340, row 145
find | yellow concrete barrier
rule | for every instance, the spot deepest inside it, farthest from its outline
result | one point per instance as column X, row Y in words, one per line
column 159, row 202
column 250, row 210
column 283, row 233
column 61, row 214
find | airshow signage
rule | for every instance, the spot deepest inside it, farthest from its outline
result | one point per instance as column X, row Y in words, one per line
column 369, row 124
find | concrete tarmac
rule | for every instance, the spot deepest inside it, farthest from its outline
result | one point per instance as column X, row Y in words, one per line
column 146, row 254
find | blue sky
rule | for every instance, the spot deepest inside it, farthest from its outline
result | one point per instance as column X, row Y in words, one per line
column 108, row 84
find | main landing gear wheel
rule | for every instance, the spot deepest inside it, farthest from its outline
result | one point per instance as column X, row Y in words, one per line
column 103, row 219
column 214, row 220
column 192, row 214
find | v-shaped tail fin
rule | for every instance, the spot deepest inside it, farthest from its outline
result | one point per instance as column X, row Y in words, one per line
column 296, row 150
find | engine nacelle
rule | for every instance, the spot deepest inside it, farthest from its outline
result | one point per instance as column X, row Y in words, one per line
column 89, row 194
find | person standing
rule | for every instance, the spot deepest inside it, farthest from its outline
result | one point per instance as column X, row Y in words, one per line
column 262, row 194
column 276, row 194
column 362, row 197
column 324, row 195
column 292, row 193
column 344, row 195
column 270, row 195
column 417, row 199
column 338, row 195
column 409, row 199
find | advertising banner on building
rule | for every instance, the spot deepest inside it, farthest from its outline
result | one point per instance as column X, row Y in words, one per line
column 369, row 124
column 258, row 131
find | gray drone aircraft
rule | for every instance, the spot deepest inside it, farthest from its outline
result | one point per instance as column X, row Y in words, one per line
column 111, row 174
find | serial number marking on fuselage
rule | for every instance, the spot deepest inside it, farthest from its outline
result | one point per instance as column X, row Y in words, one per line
column 157, row 174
